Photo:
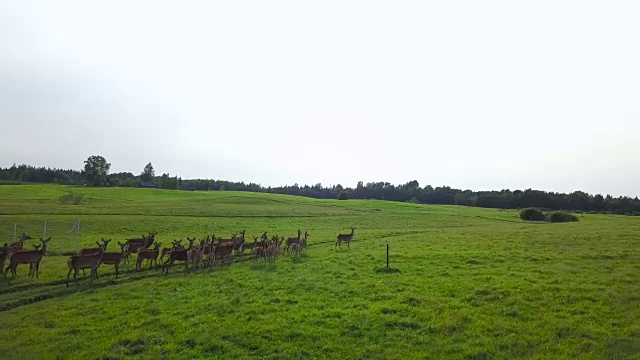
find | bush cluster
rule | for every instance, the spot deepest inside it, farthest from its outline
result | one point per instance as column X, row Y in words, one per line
column 533, row 214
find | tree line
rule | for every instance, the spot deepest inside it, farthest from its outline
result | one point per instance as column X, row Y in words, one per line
column 96, row 173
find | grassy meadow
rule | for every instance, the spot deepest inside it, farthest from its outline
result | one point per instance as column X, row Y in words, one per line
column 466, row 283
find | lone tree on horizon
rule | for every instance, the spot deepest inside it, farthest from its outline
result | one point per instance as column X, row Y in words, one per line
column 96, row 169
column 148, row 173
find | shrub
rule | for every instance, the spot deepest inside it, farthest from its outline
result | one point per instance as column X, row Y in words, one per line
column 532, row 214
column 73, row 199
column 561, row 216
column 344, row 195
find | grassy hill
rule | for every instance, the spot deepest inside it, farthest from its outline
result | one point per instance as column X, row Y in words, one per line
column 471, row 283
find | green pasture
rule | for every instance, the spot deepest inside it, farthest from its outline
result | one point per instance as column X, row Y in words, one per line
column 464, row 283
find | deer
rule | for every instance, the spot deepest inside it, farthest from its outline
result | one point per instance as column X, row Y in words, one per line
column 345, row 238
column 197, row 254
column 150, row 255
column 177, row 245
column 296, row 249
column 249, row 246
column 89, row 251
column 303, row 243
column 180, row 255
column 4, row 255
column 31, row 257
column 290, row 241
column 222, row 252
column 44, row 246
column 144, row 240
column 19, row 245
column 271, row 252
column 114, row 258
column 77, row 262
column 237, row 246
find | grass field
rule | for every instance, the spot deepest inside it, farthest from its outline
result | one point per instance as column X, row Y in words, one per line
column 469, row 283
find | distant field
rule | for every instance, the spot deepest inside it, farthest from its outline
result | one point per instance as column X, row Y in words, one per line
column 472, row 283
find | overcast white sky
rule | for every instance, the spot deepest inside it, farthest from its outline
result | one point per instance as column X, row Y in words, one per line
column 471, row 94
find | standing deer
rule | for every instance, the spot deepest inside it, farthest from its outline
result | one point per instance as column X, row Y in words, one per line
column 346, row 238
column 222, row 252
column 290, row 241
column 296, row 249
column 89, row 251
column 31, row 257
column 179, row 255
column 19, row 245
column 197, row 255
column 6, row 252
column 142, row 242
column 150, row 255
column 303, row 242
column 77, row 262
column 114, row 258
column 176, row 245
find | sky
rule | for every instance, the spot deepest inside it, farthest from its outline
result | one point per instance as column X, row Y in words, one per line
column 481, row 95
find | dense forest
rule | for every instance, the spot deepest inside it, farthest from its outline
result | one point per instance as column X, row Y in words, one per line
column 408, row 192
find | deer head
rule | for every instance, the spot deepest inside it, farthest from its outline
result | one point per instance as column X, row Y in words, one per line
column 45, row 244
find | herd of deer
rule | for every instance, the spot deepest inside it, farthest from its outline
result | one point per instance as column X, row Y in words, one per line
column 205, row 254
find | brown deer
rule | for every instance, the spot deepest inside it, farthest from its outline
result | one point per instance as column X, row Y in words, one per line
column 345, row 238
column 89, row 251
column 4, row 255
column 176, row 245
column 296, row 249
column 114, row 258
column 303, row 243
column 151, row 255
column 77, row 262
column 197, row 255
column 239, row 242
column 222, row 252
column 19, row 245
column 31, row 257
column 249, row 246
column 133, row 248
column 290, row 241
column 271, row 252
column 179, row 255
column 145, row 240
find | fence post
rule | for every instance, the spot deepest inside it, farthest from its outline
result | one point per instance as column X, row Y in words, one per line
column 387, row 255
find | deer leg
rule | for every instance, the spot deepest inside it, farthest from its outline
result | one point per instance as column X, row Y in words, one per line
column 68, row 275
column 75, row 277
column 116, row 266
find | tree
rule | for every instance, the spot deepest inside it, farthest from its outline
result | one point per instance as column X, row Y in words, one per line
column 343, row 195
column 148, row 173
column 96, row 169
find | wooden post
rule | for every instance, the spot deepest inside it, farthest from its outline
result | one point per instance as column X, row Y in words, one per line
column 387, row 255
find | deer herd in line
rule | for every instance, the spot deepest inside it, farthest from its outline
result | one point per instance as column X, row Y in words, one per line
column 197, row 255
